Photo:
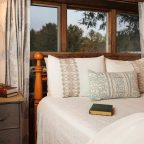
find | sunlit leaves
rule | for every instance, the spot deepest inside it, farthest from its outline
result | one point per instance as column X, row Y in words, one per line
column 90, row 19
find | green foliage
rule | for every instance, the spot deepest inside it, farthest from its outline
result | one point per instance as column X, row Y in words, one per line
column 94, row 41
column 127, row 38
column 128, row 42
column 32, row 39
column 44, row 39
column 91, row 18
column 74, row 38
column 131, row 21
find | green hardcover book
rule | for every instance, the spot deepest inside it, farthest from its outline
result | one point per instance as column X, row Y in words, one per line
column 101, row 109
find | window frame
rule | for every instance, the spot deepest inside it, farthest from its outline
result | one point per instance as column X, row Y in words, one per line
column 62, row 22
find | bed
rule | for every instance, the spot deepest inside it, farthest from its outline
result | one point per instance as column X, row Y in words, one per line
column 67, row 120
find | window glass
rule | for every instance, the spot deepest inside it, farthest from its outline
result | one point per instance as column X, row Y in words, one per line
column 44, row 29
column 127, row 35
column 43, row 36
column 86, row 31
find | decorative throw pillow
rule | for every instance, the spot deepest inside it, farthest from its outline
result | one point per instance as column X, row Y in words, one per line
column 112, row 85
column 139, row 69
column 69, row 77
column 125, row 66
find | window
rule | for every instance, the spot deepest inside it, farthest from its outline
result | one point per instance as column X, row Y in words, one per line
column 127, row 34
column 44, row 35
column 86, row 31
column 44, row 29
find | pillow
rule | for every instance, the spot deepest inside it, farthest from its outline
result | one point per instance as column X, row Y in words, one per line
column 112, row 85
column 124, row 66
column 139, row 69
column 118, row 66
column 69, row 77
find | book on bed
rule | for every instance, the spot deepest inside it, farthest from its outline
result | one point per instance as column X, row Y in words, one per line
column 101, row 109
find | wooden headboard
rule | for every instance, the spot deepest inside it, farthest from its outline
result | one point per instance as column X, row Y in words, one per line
column 38, row 90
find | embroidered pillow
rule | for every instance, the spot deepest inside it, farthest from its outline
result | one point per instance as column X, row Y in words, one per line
column 69, row 77
column 112, row 85
column 124, row 66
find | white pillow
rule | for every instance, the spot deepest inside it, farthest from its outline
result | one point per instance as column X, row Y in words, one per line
column 118, row 66
column 125, row 66
column 69, row 77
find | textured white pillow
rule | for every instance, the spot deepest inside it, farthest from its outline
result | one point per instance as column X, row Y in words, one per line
column 69, row 77
column 125, row 66
column 118, row 66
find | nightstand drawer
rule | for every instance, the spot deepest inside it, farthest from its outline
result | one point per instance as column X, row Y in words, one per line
column 11, row 136
column 9, row 116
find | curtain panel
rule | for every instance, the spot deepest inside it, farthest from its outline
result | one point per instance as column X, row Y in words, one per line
column 15, row 51
column 3, row 5
column 141, row 26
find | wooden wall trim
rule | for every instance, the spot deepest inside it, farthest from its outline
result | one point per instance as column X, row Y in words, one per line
column 42, row 2
column 125, row 1
column 129, row 6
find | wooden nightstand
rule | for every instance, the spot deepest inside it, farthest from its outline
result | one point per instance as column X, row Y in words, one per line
column 10, row 120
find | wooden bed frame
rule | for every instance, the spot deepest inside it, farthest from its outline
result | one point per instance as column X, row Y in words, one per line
column 38, row 56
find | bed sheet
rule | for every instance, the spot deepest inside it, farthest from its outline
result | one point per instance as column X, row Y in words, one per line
column 67, row 120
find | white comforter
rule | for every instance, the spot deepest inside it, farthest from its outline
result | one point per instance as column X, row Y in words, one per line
column 67, row 121
column 128, row 130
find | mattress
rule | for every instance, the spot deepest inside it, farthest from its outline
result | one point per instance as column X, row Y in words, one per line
column 67, row 120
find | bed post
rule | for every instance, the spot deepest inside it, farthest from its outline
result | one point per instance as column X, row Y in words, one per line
column 37, row 87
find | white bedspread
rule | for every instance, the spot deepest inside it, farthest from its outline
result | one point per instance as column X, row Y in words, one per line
column 67, row 121
column 128, row 130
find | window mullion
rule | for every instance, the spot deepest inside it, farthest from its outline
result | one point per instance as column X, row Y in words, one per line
column 112, row 30
column 63, row 27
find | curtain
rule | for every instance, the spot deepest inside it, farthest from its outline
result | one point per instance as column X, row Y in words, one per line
column 3, row 5
column 15, row 51
column 141, row 26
